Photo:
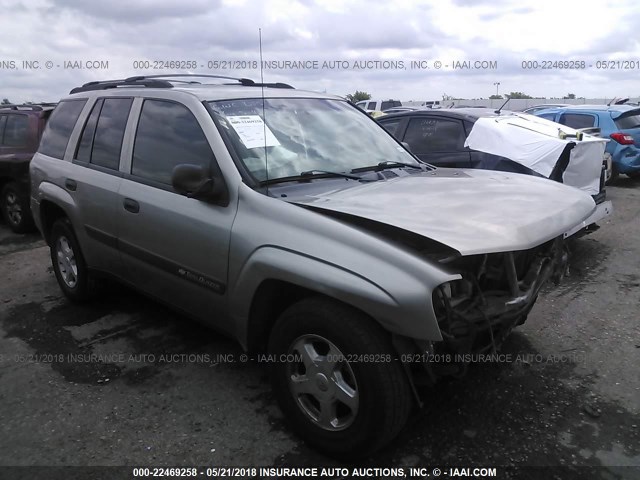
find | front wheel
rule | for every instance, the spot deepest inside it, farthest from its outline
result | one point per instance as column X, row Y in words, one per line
column 337, row 379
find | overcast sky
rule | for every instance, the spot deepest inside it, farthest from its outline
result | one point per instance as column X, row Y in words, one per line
column 508, row 32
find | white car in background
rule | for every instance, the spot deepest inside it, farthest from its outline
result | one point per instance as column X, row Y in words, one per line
column 370, row 106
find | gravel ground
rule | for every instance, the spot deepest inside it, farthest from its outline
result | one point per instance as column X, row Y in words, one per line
column 161, row 391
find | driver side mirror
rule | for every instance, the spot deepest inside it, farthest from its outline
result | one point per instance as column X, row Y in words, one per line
column 194, row 181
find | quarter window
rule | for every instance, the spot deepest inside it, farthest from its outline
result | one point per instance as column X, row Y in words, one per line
column 392, row 126
column 59, row 127
column 168, row 135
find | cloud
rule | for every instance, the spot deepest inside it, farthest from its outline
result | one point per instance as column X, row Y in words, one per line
column 506, row 31
column 126, row 11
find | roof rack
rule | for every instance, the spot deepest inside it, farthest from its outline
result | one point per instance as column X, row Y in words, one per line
column 35, row 107
column 104, row 85
column 164, row 81
column 247, row 82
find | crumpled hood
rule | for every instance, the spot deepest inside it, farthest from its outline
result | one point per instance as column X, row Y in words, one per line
column 471, row 211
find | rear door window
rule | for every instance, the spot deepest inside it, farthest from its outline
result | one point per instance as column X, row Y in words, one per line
column 107, row 141
column 16, row 131
column 101, row 139
column 429, row 135
column 83, row 152
column 60, row 126
column 577, row 120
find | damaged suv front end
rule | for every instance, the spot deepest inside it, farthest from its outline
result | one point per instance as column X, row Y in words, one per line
column 495, row 294
column 385, row 261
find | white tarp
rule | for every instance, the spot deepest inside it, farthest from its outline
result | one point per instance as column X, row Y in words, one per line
column 534, row 142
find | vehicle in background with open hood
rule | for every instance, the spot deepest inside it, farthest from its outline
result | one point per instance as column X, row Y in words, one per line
column 619, row 123
column 512, row 142
column 294, row 223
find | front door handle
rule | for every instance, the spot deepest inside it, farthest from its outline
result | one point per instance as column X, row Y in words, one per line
column 131, row 205
column 71, row 184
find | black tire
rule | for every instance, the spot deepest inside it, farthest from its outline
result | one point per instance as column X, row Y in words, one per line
column 614, row 175
column 16, row 212
column 383, row 390
column 634, row 175
column 62, row 235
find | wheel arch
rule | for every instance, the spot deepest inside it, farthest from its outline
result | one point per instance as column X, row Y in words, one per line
column 272, row 297
column 50, row 212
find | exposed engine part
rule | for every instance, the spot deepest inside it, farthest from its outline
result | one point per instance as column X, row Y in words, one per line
column 496, row 293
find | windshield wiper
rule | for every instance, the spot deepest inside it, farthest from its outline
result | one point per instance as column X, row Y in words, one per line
column 390, row 164
column 308, row 175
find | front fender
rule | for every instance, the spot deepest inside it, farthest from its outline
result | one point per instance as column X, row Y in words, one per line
column 401, row 303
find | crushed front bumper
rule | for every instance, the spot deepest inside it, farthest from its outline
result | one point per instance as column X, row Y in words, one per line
column 476, row 313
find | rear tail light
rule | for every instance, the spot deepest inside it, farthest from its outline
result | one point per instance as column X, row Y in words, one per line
column 622, row 138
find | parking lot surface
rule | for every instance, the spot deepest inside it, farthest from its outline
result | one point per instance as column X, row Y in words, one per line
column 125, row 381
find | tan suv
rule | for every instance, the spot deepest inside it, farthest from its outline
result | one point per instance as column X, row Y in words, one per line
column 294, row 223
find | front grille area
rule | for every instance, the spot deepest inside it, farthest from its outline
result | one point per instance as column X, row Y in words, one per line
column 496, row 293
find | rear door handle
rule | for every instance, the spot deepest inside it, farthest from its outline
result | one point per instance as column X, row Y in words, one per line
column 71, row 184
column 131, row 205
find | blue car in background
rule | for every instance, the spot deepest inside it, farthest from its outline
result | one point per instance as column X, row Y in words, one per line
column 619, row 123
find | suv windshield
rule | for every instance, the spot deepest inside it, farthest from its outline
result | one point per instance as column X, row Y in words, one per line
column 304, row 134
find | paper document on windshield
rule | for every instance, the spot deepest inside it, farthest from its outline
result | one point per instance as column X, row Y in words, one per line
column 251, row 130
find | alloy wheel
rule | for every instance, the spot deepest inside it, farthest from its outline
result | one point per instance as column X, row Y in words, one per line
column 323, row 383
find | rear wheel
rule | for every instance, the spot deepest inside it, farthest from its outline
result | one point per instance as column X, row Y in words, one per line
column 336, row 378
column 634, row 175
column 14, row 202
column 68, row 263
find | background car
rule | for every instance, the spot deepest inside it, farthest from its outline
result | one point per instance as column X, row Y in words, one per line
column 620, row 123
column 544, row 106
column 438, row 137
column 21, row 127
column 378, row 105
column 399, row 110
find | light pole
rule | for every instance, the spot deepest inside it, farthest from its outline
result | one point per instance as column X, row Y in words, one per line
column 497, row 84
